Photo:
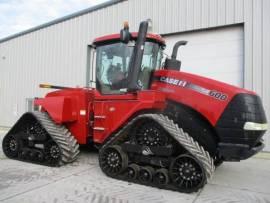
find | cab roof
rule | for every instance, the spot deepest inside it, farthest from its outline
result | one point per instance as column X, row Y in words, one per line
column 116, row 37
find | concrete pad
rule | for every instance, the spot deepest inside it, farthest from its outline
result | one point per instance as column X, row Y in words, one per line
column 93, row 186
column 83, row 181
column 216, row 194
column 76, row 183
column 17, row 177
column 252, row 175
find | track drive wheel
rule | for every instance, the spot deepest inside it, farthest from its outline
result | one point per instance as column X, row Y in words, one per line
column 161, row 177
column 113, row 160
column 11, row 146
column 187, row 174
column 150, row 133
column 146, row 174
column 132, row 171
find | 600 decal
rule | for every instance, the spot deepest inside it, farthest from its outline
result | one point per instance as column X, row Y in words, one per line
column 218, row 95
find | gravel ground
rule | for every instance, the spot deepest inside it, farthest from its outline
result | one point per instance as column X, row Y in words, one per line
column 83, row 181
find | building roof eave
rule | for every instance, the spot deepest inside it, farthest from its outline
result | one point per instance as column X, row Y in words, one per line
column 62, row 19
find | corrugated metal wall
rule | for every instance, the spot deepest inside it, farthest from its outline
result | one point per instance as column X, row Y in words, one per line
column 57, row 54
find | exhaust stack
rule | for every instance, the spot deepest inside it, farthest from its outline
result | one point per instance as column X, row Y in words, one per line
column 173, row 63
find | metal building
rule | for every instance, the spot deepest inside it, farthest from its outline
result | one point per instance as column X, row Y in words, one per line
column 228, row 40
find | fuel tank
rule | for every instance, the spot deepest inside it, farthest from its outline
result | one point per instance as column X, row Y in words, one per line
column 71, row 107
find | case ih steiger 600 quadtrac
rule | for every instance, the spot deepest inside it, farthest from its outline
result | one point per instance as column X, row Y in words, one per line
column 153, row 124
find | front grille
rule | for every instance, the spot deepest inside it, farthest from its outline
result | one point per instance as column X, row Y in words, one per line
column 243, row 108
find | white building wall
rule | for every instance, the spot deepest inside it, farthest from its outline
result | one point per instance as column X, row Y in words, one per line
column 57, row 53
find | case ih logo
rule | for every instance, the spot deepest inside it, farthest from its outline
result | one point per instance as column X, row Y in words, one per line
column 173, row 81
column 182, row 83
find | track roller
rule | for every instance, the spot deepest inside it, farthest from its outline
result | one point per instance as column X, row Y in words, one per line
column 161, row 177
column 132, row 171
column 39, row 156
column 146, row 174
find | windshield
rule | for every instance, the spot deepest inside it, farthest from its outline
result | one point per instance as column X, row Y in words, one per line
column 112, row 66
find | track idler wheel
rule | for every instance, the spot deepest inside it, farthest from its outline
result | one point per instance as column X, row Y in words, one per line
column 132, row 171
column 11, row 146
column 161, row 177
column 187, row 173
column 113, row 160
column 146, row 174
column 52, row 153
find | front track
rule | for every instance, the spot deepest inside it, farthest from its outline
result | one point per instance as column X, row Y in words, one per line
column 152, row 150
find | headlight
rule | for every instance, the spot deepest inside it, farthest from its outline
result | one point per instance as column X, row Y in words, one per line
column 255, row 126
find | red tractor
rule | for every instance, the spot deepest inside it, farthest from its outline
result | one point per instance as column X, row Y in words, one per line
column 153, row 124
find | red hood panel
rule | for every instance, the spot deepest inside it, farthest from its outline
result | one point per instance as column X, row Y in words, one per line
column 208, row 97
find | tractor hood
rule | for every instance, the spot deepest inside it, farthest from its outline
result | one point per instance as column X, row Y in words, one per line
column 197, row 92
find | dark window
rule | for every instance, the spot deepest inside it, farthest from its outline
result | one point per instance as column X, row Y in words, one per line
column 113, row 62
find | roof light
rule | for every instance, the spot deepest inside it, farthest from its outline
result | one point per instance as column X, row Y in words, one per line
column 126, row 25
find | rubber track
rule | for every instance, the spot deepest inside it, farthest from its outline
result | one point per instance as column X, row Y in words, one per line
column 177, row 133
column 61, row 135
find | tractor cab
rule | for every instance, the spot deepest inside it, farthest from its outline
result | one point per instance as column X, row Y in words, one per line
column 114, row 66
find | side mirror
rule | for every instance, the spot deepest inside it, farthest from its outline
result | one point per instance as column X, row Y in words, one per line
column 125, row 35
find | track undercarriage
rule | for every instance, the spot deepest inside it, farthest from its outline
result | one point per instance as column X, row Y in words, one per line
column 36, row 138
column 152, row 150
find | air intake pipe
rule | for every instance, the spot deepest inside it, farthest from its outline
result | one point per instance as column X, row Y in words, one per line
column 172, row 63
column 136, row 58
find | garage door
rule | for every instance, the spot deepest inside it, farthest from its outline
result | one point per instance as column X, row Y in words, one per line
column 216, row 53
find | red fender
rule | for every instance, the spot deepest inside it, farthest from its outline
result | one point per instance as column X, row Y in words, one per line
column 61, row 108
